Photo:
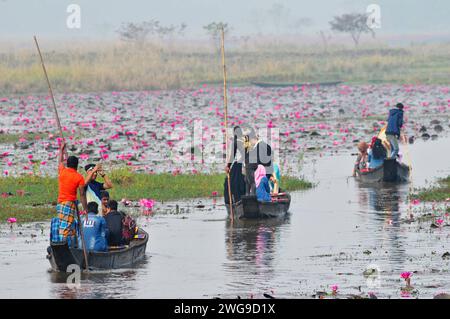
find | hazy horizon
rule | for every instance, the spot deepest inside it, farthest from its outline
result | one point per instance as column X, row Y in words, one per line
column 20, row 19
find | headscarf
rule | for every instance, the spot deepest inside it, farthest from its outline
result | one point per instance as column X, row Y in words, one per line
column 259, row 174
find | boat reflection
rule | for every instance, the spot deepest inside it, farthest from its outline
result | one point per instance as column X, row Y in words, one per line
column 92, row 285
column 384, row 201
column 251, row 244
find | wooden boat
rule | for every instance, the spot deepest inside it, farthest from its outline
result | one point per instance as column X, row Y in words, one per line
column 284, row 84
column 61, row 256
column 391, row 171
column 249, row 207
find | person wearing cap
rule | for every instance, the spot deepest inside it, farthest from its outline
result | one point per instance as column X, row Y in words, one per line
column 394, row 125
column 92, row 186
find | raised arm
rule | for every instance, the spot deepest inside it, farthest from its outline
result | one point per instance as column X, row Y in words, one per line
column 107, row 184
column 89, row 177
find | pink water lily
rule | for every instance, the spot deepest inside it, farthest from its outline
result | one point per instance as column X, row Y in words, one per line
column 439, row 221
column 12, row 220
column 334, row 289
column 214, row 194
column 147, row 203
column 415, row 202
column 406, row 275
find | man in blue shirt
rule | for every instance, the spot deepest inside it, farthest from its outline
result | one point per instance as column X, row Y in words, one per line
column 94, row 188
column 395, row 123
column 95, row 230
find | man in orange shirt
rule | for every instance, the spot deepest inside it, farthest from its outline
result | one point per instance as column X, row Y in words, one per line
column 69, row 182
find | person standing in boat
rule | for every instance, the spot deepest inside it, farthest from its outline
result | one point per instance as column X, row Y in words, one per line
column 234, row 167
column 95, row 229
column 393, row 130
column 257, row 153
column 92, row 186
column 70, row 181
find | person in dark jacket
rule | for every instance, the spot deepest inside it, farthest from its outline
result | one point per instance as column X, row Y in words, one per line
column 257, row 153
column 394, row 125
column 114, row 220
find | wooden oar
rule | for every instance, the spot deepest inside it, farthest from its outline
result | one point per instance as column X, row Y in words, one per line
column 58, row 122
column 225, row 105
column 86, row 263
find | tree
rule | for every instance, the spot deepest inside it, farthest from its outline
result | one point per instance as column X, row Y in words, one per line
column 279, row 14
column 171, row 30
column 353, row 23
column 214, row 30
column 137, row 32
column 325, row 38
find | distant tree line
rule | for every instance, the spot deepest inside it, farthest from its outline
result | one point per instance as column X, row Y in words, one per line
column 142, row 31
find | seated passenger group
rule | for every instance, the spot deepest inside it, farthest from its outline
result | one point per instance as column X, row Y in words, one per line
column 104, row 232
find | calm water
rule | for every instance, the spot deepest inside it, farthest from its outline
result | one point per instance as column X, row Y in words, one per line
column 334, row 232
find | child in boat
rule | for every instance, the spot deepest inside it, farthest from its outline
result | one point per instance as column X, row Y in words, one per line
column 275, row 180
column 262, row 185
column 362, row 159
column 95, row 230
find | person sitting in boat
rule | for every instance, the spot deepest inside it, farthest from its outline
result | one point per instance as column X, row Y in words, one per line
column 92, row 186
column 95, row 230
column 114, row 222
column 234, row 167
column 362, row 159
column 262, row 185
column 70, row 181
column 257, row 153
column 275, row 180
column 376, row 154
column 104, row 197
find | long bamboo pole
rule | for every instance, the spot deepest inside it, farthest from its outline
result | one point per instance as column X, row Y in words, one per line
column 58, row 122
column 225, row 105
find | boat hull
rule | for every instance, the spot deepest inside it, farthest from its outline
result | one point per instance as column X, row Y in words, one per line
column 390, row 172
column 250, row 208
column 61, row 256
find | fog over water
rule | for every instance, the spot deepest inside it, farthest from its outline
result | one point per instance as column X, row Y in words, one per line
column 100, row 18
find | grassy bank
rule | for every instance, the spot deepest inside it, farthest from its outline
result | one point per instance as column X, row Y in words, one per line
column 440, row 192
column 118, row 66
column 40, row 193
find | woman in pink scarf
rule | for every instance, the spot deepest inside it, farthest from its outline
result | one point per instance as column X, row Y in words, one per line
column 262, row 185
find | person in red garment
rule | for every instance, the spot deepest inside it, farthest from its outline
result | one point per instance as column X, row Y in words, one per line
column 70, row 181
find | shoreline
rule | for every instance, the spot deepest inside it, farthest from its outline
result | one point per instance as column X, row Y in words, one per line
column 33, row 198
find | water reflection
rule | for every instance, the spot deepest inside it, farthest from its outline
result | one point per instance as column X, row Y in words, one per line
column 251, row 244
column 95, row 285
column 384, row 201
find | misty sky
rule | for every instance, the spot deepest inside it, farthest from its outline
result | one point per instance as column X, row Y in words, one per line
column 100, row 18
